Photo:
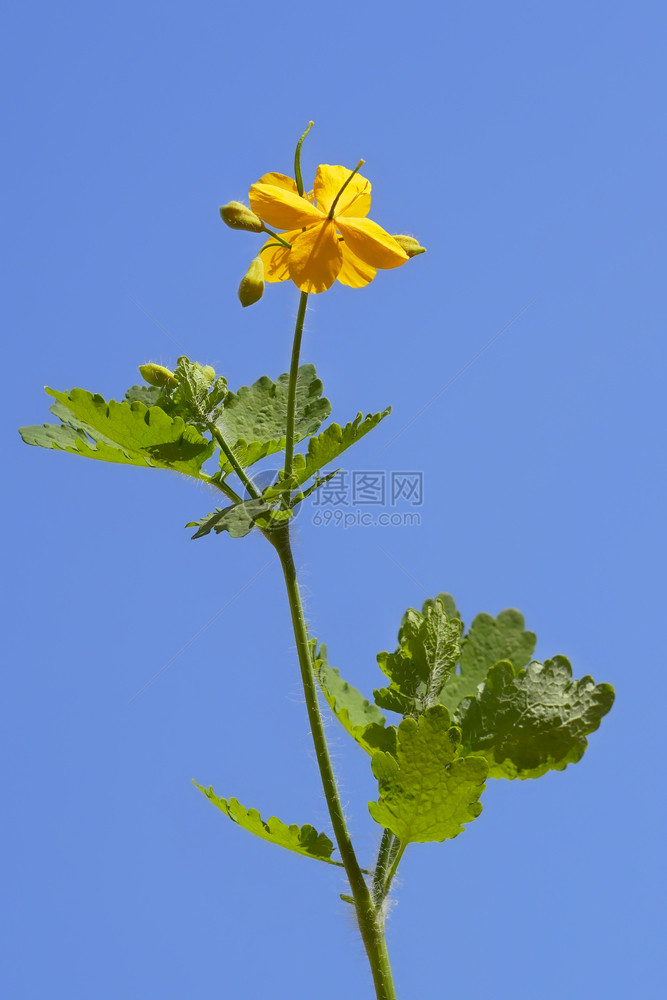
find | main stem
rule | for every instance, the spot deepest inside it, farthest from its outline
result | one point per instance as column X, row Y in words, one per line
column 370, row 918
column 291, row 390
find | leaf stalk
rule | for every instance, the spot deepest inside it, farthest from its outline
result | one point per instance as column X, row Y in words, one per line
column 382, row 866
column 233, row 461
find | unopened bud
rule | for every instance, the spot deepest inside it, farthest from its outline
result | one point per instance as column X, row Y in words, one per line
column 251, row 288
column 158, row 375
column 410, row 245
column 239, row 216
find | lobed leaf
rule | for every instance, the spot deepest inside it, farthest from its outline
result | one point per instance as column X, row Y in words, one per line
column 428, row 790
column 447, row 601
column 429, row 648
column 362, row 720
column 129, row 433
column 199, row 392
column 63, row 437
column 300, row 839
column 332, row 442
column 240, row 518
column 146, row 394
column 488, row 640
column 253, row 420
column 196, row 398
column 528, row 722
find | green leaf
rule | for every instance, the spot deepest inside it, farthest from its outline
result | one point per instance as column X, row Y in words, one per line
column 199, row 391
column 249, row 452
column 62, row 437
column 146, row 394
column 195, row 399
column 240, row 518
column 488, row 641
column 427, row 792
column 528, row 722
column 300, row 839
column 129, row 433
column 429, row 648
column 253, row 420
column 447, row 601
column 332, row 442
column 363, row 721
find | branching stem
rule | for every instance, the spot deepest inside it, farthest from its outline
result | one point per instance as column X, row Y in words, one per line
column 224, row 488
column 233, row 461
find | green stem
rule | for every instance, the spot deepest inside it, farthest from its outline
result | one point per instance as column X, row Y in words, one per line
column 275, row 236
column 233, row 461
column 381, row 866
column 224, row 488
column 297, row 160
column 397, row 850
column 291, row 391
column 369, row 918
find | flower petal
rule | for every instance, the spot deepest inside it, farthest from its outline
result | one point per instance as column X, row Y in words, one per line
column 355, row 199
column 316, row 258
column 275, row 257
column 371, row 243
column 281, row 206
column 279, row 180
column 354, row 271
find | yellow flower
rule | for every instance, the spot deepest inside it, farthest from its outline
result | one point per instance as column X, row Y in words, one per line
column 327, row 229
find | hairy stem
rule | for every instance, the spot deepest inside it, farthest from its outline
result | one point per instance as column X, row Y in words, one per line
column 291, row 390
column 395, row 855
column 382, row 867
column 369, row 918
column 221, row 485
column 231, row 458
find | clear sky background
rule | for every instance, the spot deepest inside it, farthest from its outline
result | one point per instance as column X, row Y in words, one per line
column 524, row 143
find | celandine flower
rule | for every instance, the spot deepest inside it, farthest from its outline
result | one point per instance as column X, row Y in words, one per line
column 327, row 229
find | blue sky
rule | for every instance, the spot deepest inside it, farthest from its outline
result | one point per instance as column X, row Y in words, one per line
column 524, row 144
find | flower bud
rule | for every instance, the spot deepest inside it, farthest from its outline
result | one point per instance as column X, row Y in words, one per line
column 238, row 216
column 158, row 375
column 410, row 245
column 251, row 288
